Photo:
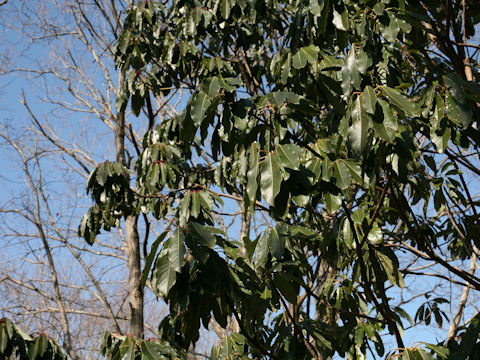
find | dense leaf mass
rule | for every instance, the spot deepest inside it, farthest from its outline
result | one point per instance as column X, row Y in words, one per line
column 345, row 125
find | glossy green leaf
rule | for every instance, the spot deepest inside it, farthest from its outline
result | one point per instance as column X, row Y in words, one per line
column 363, row 61
column 271, row 178
column 401, row 101
column 457, row 113
column 262, row 250
column 342, row 174
column 286, row 288
column 213, row 87
column 390, row 31
column 352, row 69
column 226, row 7
column 316, row 7
column 164, row 276
column 152, row 351
column 441, row 351
column 199, row 107
column 276, row 243
column 196, row 204
column 202, row 234
column 176, row 250
column 130, row 354
column 369, row 100
column 253, row 172
column 290, row 155
column 151, row 256
column 340, row 21
column 303, row 55
column 388, row 127
column 358, row 132
column 332, row 202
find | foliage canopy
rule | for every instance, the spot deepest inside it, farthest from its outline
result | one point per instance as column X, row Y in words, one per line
column 346, row 124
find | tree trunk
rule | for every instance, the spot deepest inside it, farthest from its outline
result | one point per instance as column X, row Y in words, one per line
column 135, row 289
column 134, row 277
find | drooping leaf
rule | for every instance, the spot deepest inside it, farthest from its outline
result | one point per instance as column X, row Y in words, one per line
column 358, row 132
column 386, row 128
column 340, row 21
column 369, row 100
column 261, row 251
column 276, row 243
column 151, row 256
column 176, row 250
column 271, row 178
column 458, row 113
column 342, row 174
column 164, row 276
column 199, row 107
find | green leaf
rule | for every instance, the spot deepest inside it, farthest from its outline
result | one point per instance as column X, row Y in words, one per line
column 458, row 113
column 176, row 250
column 316, row 7
column 225, row 8
column 253, row 171
column 202, row 234
column 305, row 54
column 227, row 348
column 347, row 234
column 276, row 243
column 199, row 107
column 195, row 204
column 363, row 61
column 400, row 101
column 153, row 351
column 355, row 171
column 342, row 174
column 352, row 68
column 388, row 127
column 358, row 132
column 441, row 351
column 390, row 31
column 213, row 87
column 3, row 339
column 164, row 276
column 290, row 155
column 340, row 21
column 369, row 100
column 130, row 354
column 391, row 270
column 332, row 202
column 375, row 236
column 261, row 251
column 455, row 87
column 137, row 103
column 151, row 257
column 284, row 285
column 271, row 178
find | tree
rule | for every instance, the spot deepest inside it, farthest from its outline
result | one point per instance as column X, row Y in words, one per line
column 348, row 126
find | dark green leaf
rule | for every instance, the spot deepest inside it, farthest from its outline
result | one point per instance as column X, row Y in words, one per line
column 290, row 155
column 176, row 250
column 199, row 107
column 164, row 276
column 401, row 101
column 271, row 178
column 358, row 132
column 151, row 257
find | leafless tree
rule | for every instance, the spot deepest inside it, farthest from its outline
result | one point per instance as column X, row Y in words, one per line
column 61, row 54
